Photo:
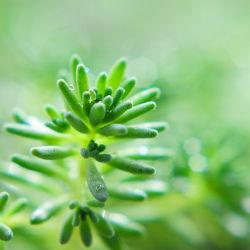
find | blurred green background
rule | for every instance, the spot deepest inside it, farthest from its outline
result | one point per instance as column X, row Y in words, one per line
column 198, row 52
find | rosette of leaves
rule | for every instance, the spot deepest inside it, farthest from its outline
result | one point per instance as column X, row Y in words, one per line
column 6, row 212
column 95, row 116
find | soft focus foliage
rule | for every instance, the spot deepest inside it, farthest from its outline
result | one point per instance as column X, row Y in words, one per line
column 197, row 52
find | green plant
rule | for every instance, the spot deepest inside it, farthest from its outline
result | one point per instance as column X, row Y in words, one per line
column 94, row 122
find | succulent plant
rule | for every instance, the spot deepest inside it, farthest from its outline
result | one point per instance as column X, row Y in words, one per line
column 85, row 149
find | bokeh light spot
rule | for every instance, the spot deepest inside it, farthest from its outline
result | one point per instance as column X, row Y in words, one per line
column 197, row 163
column 192, row 146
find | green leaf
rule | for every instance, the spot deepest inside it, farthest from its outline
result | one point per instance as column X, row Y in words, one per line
column 104, row 158
column 92, row 94
column 94, row 153
column 113, row 242
column 27, row 131
column 108, row 101
column 131, row 166
column 67, row 229
column 147, row 153
column 108, row 91
column 145, row 96
column 4, row 196
column 19, row 116
column 152, row 187
column 82, row 79
column 136, row 132
column 38, row 166
column 74, row 61
column 128, row 85
column 96, row 184
column 84, row 153
column 51, row 111
column 124, row 227
column 104, row 227
column 85, row 233
column 97, row 113
column 15, row 206
column 6, row 233
column 116, row 73
column 52, row 126
column 117, row 97
column 86, row 102
column 71, row 99
column 93, row 217
column 159, row 126
column 48, row 209
column 52, row 152
column 76, row 218
column 101, row 148
column 76, row 123
column 117, row 112
column 127, row 193
column 136, row 111
column 113, row 130
column 101, row 83
column 14, row 179
column 95, row 203
column 73, row 204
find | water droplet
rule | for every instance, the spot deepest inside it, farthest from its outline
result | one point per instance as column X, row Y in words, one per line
column 99, row 188
column 86, row 70
column 71, row 87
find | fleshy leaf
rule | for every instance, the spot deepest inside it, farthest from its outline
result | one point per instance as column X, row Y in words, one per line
column 128, row 85
column 51, row 111
column 85, row 233
column 145, row 96
column 137, row 132
column 71, row 99
column 76, row 123
column 96, row 184
column 127, row 193
column 27, row 131
column 4, row 196
column 48, row 209
column 124, row 227
column 116, row 73
column 136, row 111
column 104, row 227
column 82, row 79
column 67, row 229
column 131, row 166
column 117, row 112
column 15, row 206
column 38, row 166
column 118, row 95
column 113, row 130
column 52, row 152
column 6, row 233
column 97, row 113
column 101, row 83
